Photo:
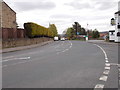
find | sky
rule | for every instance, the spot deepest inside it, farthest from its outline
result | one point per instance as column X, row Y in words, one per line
column 63, row 13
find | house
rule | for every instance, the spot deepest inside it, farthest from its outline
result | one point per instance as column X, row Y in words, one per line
column 117, row 25
column 111, row 35
column 103, row 34
column 7, row 16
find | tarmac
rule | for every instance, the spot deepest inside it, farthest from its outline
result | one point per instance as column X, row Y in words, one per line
column 48, row 42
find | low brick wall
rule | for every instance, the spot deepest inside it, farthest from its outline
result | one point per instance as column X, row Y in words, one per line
column 23, row 42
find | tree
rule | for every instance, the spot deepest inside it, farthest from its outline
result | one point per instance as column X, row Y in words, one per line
column 83, row 32
column 95, row 34
column 70, row 32
column 53, row 30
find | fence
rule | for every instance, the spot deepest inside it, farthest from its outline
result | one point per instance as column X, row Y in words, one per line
column 11, row 33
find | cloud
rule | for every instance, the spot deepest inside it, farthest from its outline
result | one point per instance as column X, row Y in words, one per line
column 61, row 16
column 79, row 5
column 103, row 5
column 28, row 6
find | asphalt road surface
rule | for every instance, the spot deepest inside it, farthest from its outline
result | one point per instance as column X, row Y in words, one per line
column 62, row 64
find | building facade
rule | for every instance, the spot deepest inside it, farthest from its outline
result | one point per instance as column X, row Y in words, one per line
column 8, row 16
column 117, row 25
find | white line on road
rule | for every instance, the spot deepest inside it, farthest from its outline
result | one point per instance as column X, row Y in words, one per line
column 107, row 64
column 106, row 72
column 106, row 61
column 23, row 58
column 107, row 68
column 66, row 49
column 99, row 87
column 103, row 78
column 106, row 58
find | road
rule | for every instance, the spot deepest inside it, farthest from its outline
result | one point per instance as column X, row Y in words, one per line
column 62, row 64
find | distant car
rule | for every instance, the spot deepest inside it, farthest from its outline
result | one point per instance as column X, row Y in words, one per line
column 62, row 39
column 56, row 38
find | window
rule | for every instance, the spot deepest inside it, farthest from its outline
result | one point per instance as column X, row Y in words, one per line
column 118, row 26
column 112, row 33
column 118, row 34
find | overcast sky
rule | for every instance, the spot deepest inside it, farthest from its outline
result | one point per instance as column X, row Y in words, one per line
column 63, row 13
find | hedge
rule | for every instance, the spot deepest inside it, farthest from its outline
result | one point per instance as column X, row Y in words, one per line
column 33, row 29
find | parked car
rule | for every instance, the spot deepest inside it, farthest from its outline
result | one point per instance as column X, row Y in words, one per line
column 56, row 38
column 62, row 39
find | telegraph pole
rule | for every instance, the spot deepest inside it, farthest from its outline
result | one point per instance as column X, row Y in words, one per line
column 76, row 28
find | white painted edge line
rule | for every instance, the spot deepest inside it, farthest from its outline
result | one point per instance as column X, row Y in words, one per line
column 103, row 78
column 107, row 64
column 106, row 61
column 106, row 58
column 107, row 68
column 106, row 72
column 99, row 86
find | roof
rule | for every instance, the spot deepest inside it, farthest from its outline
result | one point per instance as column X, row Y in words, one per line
column 9, row 7
column 117, row 12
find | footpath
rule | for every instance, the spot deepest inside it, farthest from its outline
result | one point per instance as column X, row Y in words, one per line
column 102, row 42
column 24, row 47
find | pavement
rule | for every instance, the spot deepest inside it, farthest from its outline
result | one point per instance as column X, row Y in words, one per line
column 102, row 42
column 24, row 47
column 62, row 64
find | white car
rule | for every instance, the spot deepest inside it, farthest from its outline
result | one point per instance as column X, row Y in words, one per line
column 56, row 38
column 62, row 39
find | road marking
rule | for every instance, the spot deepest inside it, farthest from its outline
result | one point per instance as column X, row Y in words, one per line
column 103, row 78
column 66, row 49
column 106, row 72
column 108, row 68
column 23, row 58
column 106, row 58
column 106, row 61
column 99, row 87
column 107, row 64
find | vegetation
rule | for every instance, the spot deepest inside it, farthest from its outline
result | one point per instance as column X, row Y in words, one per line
column 71, row 32
column 95, row 34
column 35, row 30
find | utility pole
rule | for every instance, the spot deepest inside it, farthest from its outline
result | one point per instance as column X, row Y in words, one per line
column 76, row 28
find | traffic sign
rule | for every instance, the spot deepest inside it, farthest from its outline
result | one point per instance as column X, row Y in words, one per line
column 78, row 33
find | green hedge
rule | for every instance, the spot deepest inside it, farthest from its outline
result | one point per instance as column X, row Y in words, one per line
column 33, row 29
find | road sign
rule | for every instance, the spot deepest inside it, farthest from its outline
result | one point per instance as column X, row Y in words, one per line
column 78, row 33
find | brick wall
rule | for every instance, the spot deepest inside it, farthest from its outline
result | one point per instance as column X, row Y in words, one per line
column 23, row 42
